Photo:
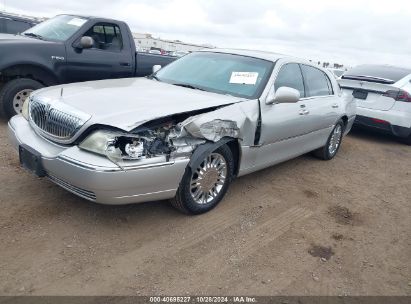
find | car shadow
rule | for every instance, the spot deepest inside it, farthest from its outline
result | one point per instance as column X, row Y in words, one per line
column 373, row 135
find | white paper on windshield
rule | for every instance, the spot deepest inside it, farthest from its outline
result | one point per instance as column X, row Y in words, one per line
column 244, row 77
column 77, row 22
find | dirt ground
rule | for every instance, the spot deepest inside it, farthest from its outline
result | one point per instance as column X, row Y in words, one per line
column 305, row 227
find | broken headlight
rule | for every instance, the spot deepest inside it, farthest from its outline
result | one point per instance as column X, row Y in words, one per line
column 116, row 145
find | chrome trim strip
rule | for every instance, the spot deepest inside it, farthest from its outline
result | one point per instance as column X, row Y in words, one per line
column 145, row 194
column 114, row 169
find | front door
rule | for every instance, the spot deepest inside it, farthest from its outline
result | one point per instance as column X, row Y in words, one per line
column 106, row 59
column 283, row 125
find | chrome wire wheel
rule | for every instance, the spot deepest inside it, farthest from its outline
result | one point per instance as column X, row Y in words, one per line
column 335, row 139
column 19, row 99
column 208, row 179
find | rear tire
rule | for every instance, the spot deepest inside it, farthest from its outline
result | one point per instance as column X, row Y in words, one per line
column 201, row 189
column 14, row 93
column 333, row 143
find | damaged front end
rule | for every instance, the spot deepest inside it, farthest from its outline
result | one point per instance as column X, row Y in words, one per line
column 175, row 136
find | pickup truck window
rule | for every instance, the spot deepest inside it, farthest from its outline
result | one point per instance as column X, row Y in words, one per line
column 106, row 36
column 231, row 74
column 59, row 28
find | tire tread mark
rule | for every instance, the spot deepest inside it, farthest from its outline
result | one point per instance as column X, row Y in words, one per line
column 273, row 228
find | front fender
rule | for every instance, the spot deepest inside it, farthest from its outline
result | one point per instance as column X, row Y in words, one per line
column 205, row 149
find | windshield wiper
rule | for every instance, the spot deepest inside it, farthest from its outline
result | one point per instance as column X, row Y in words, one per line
column 185, row 85
column 34, row 35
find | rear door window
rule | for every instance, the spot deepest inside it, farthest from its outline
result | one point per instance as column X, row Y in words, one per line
column 316, row 81
column 290, row 76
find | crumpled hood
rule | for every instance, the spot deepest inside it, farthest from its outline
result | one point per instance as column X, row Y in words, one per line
column 127, row 103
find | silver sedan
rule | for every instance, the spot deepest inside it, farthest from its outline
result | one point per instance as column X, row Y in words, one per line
column 185, row 132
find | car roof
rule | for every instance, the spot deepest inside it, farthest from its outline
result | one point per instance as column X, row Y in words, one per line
column 270, row 56
column 92, row 17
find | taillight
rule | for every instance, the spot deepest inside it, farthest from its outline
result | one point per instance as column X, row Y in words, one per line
column 403, row 96
column 399, row 95
column 380, row 121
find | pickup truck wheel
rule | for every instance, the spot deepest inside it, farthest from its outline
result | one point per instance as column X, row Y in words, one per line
column 202, row 189
column 14, row 93
column 333, row 143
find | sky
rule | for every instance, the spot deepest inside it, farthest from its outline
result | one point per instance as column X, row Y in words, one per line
column 350, row 32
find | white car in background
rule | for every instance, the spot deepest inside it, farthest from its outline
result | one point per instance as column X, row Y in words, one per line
column 383, row 96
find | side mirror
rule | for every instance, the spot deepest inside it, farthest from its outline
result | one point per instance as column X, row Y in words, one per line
column 156, row 68
column 284, row 95
column 86, row 42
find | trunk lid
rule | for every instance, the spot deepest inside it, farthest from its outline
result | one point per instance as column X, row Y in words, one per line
column 369, row 94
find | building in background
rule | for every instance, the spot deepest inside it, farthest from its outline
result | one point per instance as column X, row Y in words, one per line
column 146, row 42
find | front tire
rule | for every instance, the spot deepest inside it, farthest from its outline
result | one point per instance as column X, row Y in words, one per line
column 201, row 189
column 14, row 93
column 333, row 143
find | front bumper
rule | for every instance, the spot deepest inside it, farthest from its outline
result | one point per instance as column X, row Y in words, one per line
column 94, row 177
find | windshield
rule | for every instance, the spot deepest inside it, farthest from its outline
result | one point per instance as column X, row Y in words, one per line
column 59, row 28
column 219, row 73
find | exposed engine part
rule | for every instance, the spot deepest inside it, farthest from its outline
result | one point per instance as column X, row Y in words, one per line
column 134, row 149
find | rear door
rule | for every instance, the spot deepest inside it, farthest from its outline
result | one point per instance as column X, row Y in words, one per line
column 321, row 101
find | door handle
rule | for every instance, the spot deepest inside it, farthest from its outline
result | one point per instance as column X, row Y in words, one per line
column 304, row 112
column 335, row 106
column 126, row 64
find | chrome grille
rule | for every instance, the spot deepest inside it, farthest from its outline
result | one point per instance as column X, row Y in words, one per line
column 56, row 120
